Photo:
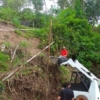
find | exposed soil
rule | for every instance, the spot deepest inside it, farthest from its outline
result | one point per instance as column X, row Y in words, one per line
column 41, row 84
column 37, row 80
column 13, row 39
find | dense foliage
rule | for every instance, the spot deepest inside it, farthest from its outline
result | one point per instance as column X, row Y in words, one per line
column 79, row 38
column 73, row 25
column 4, row 61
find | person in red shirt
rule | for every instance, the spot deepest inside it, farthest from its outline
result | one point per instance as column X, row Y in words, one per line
column 64, row 52
column 63, row 56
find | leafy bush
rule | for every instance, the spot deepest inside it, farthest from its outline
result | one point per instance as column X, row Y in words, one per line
column 16, row 22
column 40, row 33
column 23, row 44
column 4, row 61
column 26, row 15
column 65, row 73
column 18, row 32
column 6, row 14
column 76, row 34
column 9, row 14
column 7, row 44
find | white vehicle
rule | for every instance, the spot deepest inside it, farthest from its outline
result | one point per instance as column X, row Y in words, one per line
column 85, row 85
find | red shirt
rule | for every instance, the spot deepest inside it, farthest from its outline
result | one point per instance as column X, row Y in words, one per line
column 64, row 52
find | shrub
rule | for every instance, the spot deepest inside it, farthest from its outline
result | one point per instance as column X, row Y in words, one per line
column 76, row 34
column 18, row 32
column 7, row 44
column 16, row 22
column 4, row 62
column 23, row 44
column 6, row 14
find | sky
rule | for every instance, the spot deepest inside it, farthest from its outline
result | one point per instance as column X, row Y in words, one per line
column 0, row 3
column 49, row 3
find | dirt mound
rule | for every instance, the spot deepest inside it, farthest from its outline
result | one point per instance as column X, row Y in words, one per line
column 7, row 36
column 40, row 84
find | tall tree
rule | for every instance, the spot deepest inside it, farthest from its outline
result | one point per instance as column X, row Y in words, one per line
column 92, row 10
column 63, row 3
column 68, row 3
column 89, row 8
column 77, row 35
column 38, row 5
column 79, row 8
column 14, row 4
column 26, row 14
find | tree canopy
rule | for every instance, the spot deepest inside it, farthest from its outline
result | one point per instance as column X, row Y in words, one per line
column 38, row 4
column 14, row 4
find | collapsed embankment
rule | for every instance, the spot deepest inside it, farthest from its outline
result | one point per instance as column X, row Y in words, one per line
column 37, row 81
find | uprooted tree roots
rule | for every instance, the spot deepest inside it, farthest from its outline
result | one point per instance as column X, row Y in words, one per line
column 37, row 81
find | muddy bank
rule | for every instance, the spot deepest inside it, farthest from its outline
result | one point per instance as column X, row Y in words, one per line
column 37, row 81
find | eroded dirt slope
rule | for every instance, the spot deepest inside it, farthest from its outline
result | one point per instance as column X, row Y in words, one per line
column 37, row 80
column 13, row 39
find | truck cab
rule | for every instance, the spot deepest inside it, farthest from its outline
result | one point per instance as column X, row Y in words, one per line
column 85, row 85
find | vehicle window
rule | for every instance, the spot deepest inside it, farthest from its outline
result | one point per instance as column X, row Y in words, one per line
column 79, row 81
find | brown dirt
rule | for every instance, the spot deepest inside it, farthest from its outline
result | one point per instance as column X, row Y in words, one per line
column 41, row 84
column 12, row 38
column 37, row 80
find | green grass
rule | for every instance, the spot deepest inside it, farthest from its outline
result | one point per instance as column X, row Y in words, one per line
column 7, row 44
column 4, row 62
column 65, row 73
column 63, row 70
column 18, row 32
column 34, row 32
column 23, row 44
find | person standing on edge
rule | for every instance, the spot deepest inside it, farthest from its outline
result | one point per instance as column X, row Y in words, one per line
column 64, row 52
column 63, row 55
column 66, row 93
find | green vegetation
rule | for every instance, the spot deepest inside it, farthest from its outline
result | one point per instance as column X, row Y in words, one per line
column 2, row 87
column 79, row 38
column 7, row 44
column 73, row 26
column 23, row 44
column 18, row 32
column 65, row 73
column 4, row 62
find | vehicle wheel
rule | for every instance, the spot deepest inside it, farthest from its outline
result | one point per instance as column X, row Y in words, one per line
column 81, row 97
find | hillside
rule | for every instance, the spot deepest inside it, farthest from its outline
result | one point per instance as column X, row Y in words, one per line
column 36, row 79
column 13, row 39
